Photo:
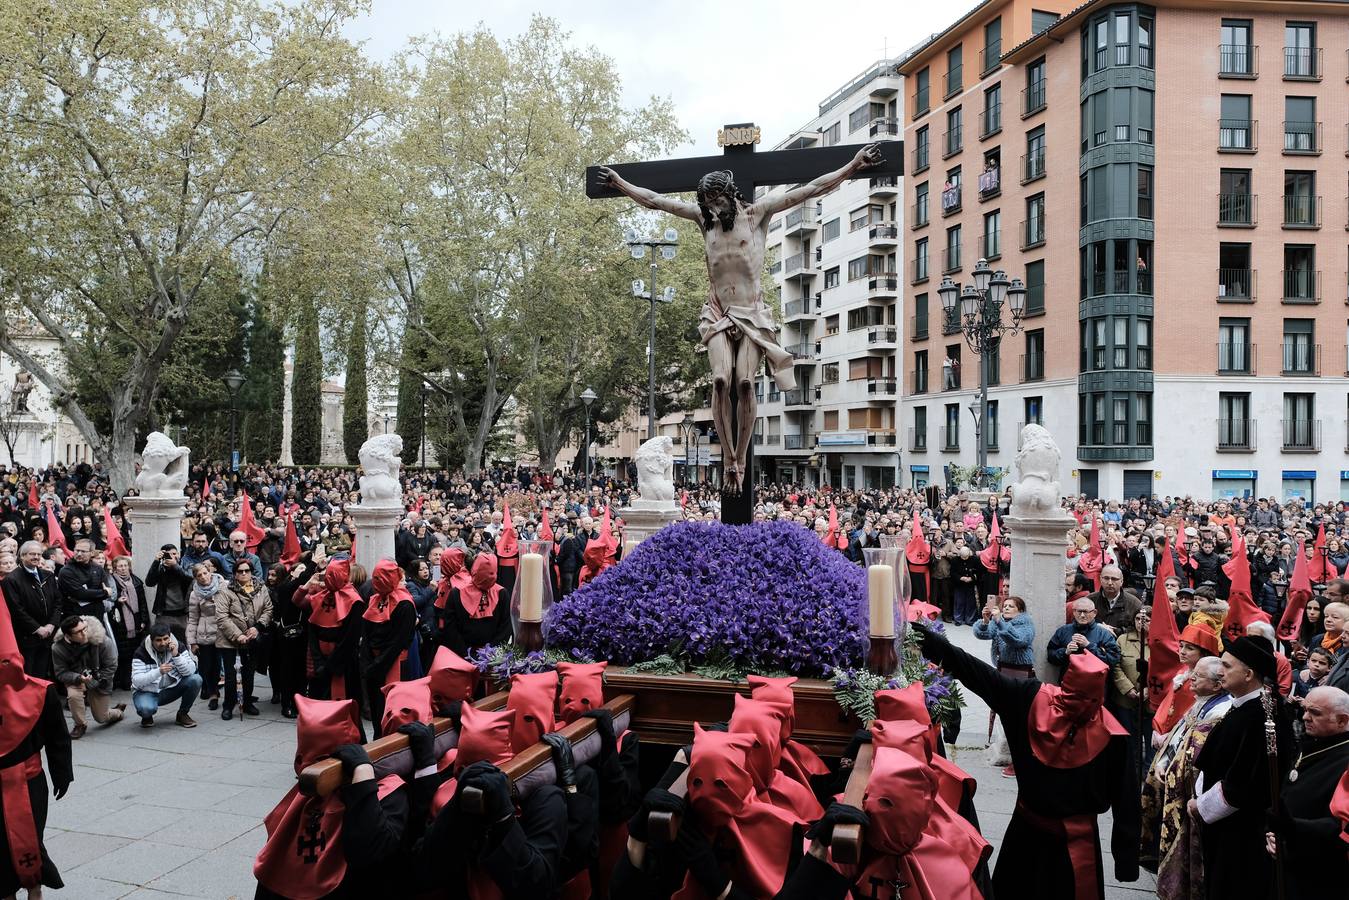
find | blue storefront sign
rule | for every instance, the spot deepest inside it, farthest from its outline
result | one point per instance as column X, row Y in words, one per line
column 1300, row 474
column 924, row 469
column 1234, row 473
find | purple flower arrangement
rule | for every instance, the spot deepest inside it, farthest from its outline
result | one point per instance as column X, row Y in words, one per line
column 768, row 597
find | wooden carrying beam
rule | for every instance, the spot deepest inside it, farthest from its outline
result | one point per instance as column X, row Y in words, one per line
column 665, row 825
column 325, row 776
column 540, row 755
column 846, row 847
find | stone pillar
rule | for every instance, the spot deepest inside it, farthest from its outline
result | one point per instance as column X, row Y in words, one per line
column 155, row 521
column 645, row 517
column 1038, row 563
column 375, row 528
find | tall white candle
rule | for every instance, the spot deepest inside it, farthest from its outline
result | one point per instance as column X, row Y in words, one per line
column 881, row 598
column 531, row 587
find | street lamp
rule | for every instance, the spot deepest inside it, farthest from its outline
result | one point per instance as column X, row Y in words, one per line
column 638, row 246
column 234, row 379
column 690, row 429
column 588, row 397
column 977, row 312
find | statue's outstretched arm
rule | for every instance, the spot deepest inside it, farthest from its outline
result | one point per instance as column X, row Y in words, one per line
column 867, row 157
column 649, row 198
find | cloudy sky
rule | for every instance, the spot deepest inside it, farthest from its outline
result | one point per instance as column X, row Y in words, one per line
column 721, row 61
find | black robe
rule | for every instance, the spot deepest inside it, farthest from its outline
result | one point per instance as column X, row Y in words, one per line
column 1032, row 861
column 342, row 660
column 462, row 633
column 50, row 732
column 381, row 643
column 1235, row 861
column 1316, row 861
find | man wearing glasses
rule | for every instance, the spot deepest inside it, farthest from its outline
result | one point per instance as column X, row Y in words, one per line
column 84, row 589
column 239, row 555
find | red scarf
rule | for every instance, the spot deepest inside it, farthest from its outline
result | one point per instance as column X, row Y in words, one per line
column 453, row 575
column 1068, row 727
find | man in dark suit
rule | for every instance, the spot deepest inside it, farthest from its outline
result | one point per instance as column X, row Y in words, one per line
column 1116, row 606
column 33, row 599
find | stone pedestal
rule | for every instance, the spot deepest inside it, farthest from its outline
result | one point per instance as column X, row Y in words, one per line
column 375, row 528
column 645, row 517
column 1038, row 563
column 155, row 521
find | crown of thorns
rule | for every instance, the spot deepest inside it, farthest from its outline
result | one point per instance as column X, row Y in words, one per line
column 718, row 183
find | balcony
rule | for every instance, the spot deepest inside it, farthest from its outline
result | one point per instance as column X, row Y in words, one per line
column 800, row 267
column 920, row 103
column 1032, row 367
column 990, row 245
column 798, row 441
column 1032, row 233
column 920, row 158
column 1237, row 135
column 887, row 387
column 990, row 183
column 1301, row 286
column 802, row 308
column 950, row 200
column 1237, row 210
column 882, row 286
column 804, row 351
column 1236, row 285
column 950, row 439
column 919, row 269
column 990, row 121
column 1033, row 98
column 918, row 214
column 1033, row 166
column 884, row 186
column 881, row 438
column 950, row 259
column 955, row 82
column 1236, row 359
column 852, row 437
column 917, row 328
column 1238, row 61
column 883, row 235
column 918, row 381
column 918, row 440
column 953, row 142
column 1301, row 138
column 1236, row 435
column 1301, row 435
column 801, row 220
column 884, row 128
column 1301, row 360
column 1301, row 63
column 798, row 398
column 950, row 377
column 882, row 337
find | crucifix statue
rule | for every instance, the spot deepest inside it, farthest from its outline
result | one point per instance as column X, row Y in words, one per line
column 737, row 328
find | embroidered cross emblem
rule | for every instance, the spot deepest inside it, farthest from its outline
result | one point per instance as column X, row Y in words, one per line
column 1156, row 686
column 329, row 603
column 311, row 843
column 28, row 860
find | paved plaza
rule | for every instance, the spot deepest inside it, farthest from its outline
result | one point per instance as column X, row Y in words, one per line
column 173, row 812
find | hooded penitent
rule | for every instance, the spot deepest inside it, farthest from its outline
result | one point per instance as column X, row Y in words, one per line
column 453, row 575
column 304, row 858
column 453, row 678
column 532, row 697
column 582, row 689
column 902, row 705
column 481, row 595
column 599, row 552
column 1299, row 592
column 1068, row 726
column 330, row 604
column 404, row 702
column 22, row 698
column 799, row 762
column 483, row 736
column 1163, row 642
column 389, row 592
column 1241, row 608
column 764, row 721
column 918, row 553
column 1093, row 560
column 995, row 555
column 290, row 550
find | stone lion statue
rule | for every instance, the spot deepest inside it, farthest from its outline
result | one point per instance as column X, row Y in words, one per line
column 164, row 467
column 655, row 469
column 1037, row 467
column 381, row 462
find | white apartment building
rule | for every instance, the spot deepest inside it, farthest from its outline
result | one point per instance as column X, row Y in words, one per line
column 836, row 263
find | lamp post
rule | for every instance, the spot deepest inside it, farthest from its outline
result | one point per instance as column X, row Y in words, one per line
column 666, row 245
column 234, row 380
column 977, row 312
column 588, row 397
column 690, row 431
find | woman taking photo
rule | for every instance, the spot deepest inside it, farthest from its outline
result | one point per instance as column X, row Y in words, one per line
column 201, row 630
column 129, row 617
column 242, row 612
column 423, row 594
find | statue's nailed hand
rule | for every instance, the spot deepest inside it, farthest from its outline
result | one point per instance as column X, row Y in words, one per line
column 869, row 156
column 606, row 177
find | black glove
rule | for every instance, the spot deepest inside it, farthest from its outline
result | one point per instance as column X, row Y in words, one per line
column 676, row 768
column 495, row 787
column 450, row 709
column 697, row 852
column 351, row 756
column 59, row 789
column 656, row 800
column 836, row 814
column 860, row 736
column 422, row 741
column 563, row 758
column 604, row 726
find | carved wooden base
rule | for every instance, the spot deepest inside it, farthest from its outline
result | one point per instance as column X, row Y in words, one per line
column 881, row 658
column 530, row 636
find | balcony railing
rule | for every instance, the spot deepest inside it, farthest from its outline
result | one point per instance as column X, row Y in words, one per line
column 1033, row 98
column 918, row 381
column 955, row 81
column 950, row 439
column 804, row 306
column 1237, row 135
column 882, row 334
column 920, row 158
column 1236, row 284
column 803, row 215
column 1301, row 359
column 1302, row 63
column 1033, row 166
column 950, row 259
column 918, row 439
column 884, row 127
column 1301, row 138
column 919, row 269
column 917, row 328
column 1301, row 286
column 950, row 378
column 953, row 141
column 795, row 263
column 1301, row 434
column 918, row 213
column 1237, row 210
column 992, row 57
column 887, row 386
column 883, row 283
column 1238, row 61
column 884, row 184
column 990, row 121
column 881, row 437
column 798, row 397
column 1032, row 367
column 798, row 441
column 1032, row 233
column 920, row 102
column 950, row 200
column 990, row 245
column 802, row 351
column 1236, row 358
column 1236, row 435
column 884, row 233
column 990, row 182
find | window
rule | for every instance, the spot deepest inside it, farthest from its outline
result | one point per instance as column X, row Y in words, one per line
column 951, row 259
column 1034, row 227
column 1098, row 343
column 991, row 425
column 920, row 321
column 1299, row 347
column 1143, row 419
column 1035, row 155
column 831, row 325
column 920, row 150
column 1121, row 342
column 1299, row 200
column 1101, row 43
column 920, row 260
column 829, row 371
column 859, row 118
column 992, row 45
column 831, row 420
column 858, row 268
column 920, row 372
column 1143, row 344
column 1234, row 346
column 1034, row 96
column 1120, row 417
column 991, row 119
column 1145, row 42
column 950, row 368
column 1040, row 20
column 1145, row 192
column 864, row 317
column 1300, row 430
column 1236, row 131
column 920, row 205
column 831, row 134
column 955, row 132
column 955, row 79
column 1236, row 56
column 992, row 248
column 1235, row 279
column 1035, row 287
column 1123, row 39
column 951, row 430
column 950, row 195
column 1091, row 415
column 1034, row 369
column 830, row 230
column 1236, row 204
column 1300, row 55
column 921, row 102
column 1235, row 428
column 858, row 218
column 1299, row 273
column 993, row 361
column 919, row 428
column 1034, row 409
column 1300, row 128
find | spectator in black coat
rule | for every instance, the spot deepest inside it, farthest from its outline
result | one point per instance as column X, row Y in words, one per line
column 84, row 587
column 172, row 584
column 33, row 600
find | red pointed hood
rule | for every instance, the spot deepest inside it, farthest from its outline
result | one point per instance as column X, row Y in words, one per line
column 246, row 522
column 484, row 735
column 290, row 551
column 55, row 536
column 532, row 697
column 1068, row 723
column 1319, row 570
column 764, row 721
column 508, row 543
column 1093, row 559
column 1163, row 642
column 546, row 528
column 452, row 677
column 599, row 553
column 719, row 781
column 777, row 691
column 1241, row 608
column 112, row 537
column 994, row 553
column 480, row 596
column 832, row 536
column 918, row 551
column 899, row 799
column 404, row 702
column 453, row 575
column 21, row 695
column 32, row 494
column 322, row 726
column 907, row 704
column 329, row 606
column 582, row 689
column 389, row 591
column 1238, row 568
column 1299, row 592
